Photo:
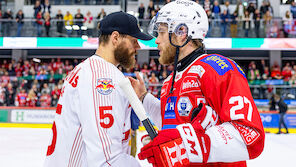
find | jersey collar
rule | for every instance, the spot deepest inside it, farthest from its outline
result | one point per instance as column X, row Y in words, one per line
column 186, row 61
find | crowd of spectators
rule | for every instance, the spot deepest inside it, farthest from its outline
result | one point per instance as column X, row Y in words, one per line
column 242, row 21
column 246, row 16
column 33, row 83
column 77, row 24
column 261, row 71
column 29, row 83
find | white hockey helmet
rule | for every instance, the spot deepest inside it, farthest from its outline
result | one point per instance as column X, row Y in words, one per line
column 182, row 13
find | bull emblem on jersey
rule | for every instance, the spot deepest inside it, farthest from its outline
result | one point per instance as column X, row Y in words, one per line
column 105, row 86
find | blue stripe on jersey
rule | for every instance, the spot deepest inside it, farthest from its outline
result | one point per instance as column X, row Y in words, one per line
column 219, row 63
column 168, row 127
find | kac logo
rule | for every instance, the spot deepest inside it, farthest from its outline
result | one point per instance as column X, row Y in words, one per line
column 105, row 86
column 184, row 106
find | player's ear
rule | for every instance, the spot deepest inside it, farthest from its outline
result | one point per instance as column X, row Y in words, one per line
column 115, row 37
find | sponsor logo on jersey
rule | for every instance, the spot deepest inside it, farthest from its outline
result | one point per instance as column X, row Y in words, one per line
column 199, row 70
column 184, row 106
column 248, row 134
column 105, row 86
column 170, row 108
column 189, row 84
column 224, row 134
column 219, row 63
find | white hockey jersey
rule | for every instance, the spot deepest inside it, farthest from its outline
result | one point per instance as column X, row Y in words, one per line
column 92, row 121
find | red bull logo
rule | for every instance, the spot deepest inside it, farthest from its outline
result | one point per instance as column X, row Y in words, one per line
column 105, row 86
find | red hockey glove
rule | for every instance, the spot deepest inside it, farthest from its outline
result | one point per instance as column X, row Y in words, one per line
column 178, row 147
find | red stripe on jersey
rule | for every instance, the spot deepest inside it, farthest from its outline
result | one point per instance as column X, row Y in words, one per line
column 78, row 134
column 77, row 151
column 106, row 70
column 94, row 96
column 103, row 130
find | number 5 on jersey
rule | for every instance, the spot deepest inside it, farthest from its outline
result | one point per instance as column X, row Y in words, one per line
column 241, row 102
column 106, row 119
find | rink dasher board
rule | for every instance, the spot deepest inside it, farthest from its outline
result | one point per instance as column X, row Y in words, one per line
column 141, row 128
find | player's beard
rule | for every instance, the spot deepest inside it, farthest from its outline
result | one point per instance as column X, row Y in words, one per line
column 124, row 56
column 168, row 55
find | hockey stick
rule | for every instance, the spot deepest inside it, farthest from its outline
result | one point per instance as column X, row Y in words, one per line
column 138, row 107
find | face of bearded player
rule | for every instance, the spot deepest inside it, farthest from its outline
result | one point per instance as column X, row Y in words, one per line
column 167, row 52
column 126, row 51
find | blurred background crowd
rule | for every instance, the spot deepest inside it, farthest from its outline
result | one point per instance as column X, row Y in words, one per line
column 227, row 18
column 34, row 83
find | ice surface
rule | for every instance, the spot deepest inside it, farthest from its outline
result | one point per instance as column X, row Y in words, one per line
column 26, row 147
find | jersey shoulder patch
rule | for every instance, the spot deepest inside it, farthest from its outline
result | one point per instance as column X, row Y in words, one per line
column 219, row 63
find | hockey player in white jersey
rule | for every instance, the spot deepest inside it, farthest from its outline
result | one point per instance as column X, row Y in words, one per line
column 92, row 121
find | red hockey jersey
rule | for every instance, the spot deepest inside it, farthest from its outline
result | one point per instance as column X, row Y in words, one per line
column 220, row 83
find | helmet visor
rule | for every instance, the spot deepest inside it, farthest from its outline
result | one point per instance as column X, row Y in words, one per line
column 155, row 27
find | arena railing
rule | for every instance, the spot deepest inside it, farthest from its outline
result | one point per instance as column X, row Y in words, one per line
column 272, row 29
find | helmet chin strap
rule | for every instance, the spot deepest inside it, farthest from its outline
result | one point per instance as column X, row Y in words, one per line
column 176, row 58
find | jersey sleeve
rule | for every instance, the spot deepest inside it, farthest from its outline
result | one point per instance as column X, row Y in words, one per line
column 240, row 134
column 152, row 107
column 102, row 114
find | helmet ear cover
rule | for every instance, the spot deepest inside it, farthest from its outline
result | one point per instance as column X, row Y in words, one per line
column 181, row 30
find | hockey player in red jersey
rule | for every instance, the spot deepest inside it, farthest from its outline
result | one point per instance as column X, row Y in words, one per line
column 209, row 89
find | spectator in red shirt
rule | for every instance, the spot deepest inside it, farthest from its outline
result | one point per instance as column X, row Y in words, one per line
column 56, row 65
column 68, row 67
column 21, row 98
column 45, row 100
column 153, row 80
column 276, row 72
column 287, row 73
column 32, row 99
column 18, row 70
column 5, row 78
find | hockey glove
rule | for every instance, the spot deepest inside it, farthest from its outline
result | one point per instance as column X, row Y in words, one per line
column 178, row 147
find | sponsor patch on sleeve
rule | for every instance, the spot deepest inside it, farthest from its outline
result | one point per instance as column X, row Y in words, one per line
column 105, row 86
column 248, row 134
column 219, row 63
